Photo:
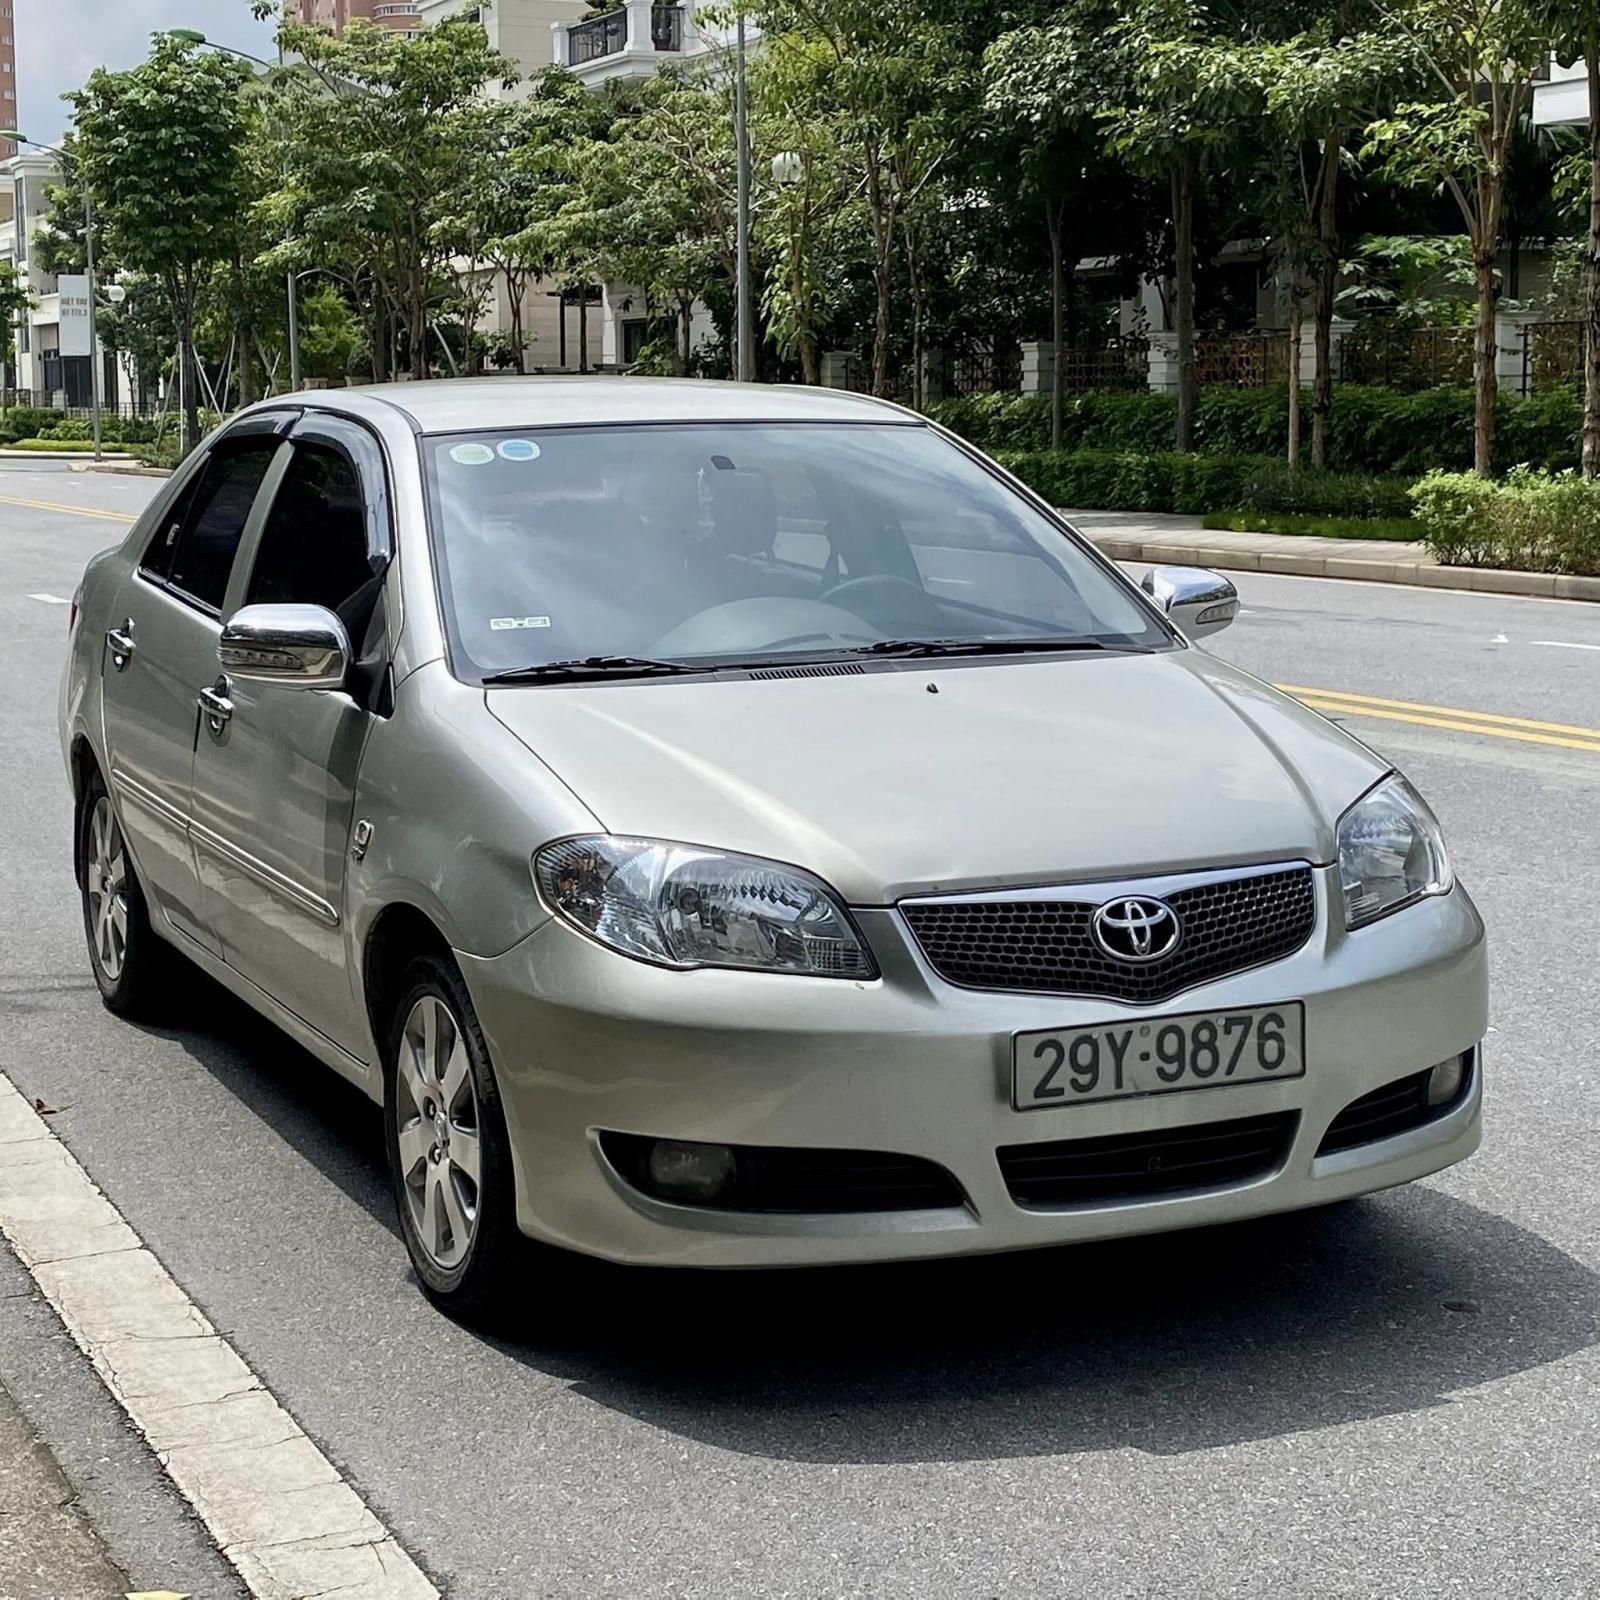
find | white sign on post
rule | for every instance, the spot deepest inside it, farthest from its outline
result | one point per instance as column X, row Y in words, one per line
column 75, row 340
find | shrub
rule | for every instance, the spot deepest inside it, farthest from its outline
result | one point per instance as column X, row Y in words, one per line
column 68, row 428
column 1370, row 430
column 43, row 446
column 1321, row 527
column 1130, row 480
column 26, row 421
column 1529, row 521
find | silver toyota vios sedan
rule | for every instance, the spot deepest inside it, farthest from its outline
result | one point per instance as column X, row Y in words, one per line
column 733, row 826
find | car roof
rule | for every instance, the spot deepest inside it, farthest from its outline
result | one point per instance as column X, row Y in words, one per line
column 451, row 405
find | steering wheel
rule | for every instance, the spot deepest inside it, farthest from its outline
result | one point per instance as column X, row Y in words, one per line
column 895, row 605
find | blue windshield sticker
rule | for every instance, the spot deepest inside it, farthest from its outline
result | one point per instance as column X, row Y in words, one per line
column 519, row 450
column 472, row 455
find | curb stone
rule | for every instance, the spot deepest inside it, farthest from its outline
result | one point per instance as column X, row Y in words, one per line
column 1425, row 574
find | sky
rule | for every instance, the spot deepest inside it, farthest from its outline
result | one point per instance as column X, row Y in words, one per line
column 60, row 42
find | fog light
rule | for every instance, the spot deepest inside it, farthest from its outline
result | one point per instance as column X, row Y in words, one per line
column 1445, row 1080
column 681, row 1171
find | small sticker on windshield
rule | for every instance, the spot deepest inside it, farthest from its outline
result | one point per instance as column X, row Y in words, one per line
column 518, row 450
column 500, row 624
column 472, row 455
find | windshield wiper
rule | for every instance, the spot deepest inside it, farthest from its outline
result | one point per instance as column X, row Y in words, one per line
column 988, row 647
column 594, row 667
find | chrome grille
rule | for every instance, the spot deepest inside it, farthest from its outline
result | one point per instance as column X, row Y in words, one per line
column 1229, row 925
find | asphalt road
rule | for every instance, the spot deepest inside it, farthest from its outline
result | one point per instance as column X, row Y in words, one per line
column 1395, row 1398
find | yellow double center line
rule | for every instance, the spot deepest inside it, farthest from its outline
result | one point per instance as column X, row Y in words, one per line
column 71, row 511
column 1336, row 702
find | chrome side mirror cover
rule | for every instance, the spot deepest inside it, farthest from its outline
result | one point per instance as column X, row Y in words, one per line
column 1198, row 600
column 293, row 646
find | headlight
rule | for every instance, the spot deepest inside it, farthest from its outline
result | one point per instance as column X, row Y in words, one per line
column 679, row 906
column 1391, row 852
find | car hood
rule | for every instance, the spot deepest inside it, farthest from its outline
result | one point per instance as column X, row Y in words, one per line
column 1009, row 772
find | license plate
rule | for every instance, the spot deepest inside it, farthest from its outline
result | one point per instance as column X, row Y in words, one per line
column 1116, row 1060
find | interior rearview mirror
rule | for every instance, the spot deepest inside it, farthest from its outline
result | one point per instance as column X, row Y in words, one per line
column 295, row 646
column 1196, row 599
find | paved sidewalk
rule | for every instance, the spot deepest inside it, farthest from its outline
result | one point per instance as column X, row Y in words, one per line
column 47, row 1549
column 1154, row 537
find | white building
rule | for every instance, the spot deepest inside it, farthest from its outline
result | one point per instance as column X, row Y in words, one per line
column 38, row 369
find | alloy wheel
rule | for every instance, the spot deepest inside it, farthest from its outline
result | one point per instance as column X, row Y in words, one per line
column 438, row 1131
column 107, row 884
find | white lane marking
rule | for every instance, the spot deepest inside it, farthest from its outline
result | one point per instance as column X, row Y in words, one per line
column 1562, row 644
column 1499, row 638
column 278, row 1509
column 50, row 599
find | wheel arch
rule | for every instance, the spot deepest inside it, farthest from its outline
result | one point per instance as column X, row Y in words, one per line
column 400, row 932
column 82, row 764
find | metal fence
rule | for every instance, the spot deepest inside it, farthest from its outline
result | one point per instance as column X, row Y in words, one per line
column 1401, row 356
column 983, row 370
column 47, row 400
column 1122, row 363
column 1552, row 354
column 1250, row 359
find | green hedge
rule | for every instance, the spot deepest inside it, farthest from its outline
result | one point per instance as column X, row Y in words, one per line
column 1370, row 429
column 43, row 446
column 1528, row 521
column 27, row 422
column 1130, row 480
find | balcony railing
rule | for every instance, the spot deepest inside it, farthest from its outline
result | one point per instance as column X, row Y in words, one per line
column 599, row 36
column 607, row 35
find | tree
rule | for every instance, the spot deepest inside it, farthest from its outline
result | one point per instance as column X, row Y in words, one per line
column 1316, row 88
column 16, row 300
column 1048, row 141
column 161, row 148
column 372, row 162
column 886, row 80
column 1479, row 57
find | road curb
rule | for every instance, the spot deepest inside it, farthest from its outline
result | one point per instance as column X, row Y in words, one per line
column 60, row 455
column 122, row 470
column 1424, row 574
column 285, row 1517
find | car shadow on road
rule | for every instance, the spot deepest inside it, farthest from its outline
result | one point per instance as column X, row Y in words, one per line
column 1167, row 1344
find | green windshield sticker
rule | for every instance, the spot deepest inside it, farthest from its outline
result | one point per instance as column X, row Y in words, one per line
column 472, row 455
column 519, row 450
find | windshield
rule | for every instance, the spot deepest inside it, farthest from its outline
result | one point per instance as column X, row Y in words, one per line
column 743, row 543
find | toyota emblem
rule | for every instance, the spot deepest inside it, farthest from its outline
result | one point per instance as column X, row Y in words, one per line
column 1137, row 929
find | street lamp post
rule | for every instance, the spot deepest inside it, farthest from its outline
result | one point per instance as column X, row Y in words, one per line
column 16, row 137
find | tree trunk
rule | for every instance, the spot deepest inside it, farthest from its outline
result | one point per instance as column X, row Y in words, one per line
column 183, row 300
column 1326, row 285
column 516, row 290
column 810, row 361
column 1591, row 355
column 882, row 278
column 583, row 329
column 419, row 328
column 1296, row 316
column 1183, row 271
column 1053, row 220
column 918, row 394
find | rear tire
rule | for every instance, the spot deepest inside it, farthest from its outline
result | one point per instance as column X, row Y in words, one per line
column 449, row 1154
column 129, row 960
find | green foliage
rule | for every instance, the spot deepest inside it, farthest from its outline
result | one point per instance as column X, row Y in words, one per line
column 1529, row 521
column 1112, row 480
column 1312, row 526
column 15, row 299
column 82, row 446
column 28, row 422
column 1372, row 430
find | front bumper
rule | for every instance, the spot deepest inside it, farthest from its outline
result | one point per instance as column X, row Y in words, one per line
column 584, row 1039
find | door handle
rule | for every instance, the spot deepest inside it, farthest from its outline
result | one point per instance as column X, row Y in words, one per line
column 216, row 706
column 119, row 641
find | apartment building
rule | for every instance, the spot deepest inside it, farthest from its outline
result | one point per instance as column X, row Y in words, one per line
column 38, row 369
column 8, row 76
column 401, row 15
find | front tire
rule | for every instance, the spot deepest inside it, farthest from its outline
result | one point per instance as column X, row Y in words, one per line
column 449, row 1155
column 127, row 956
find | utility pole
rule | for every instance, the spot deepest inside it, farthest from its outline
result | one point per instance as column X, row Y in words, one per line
column 94, row 309
column 746, row 336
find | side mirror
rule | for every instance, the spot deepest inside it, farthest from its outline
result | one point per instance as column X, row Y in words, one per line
column 296, row 647
column 1198, row 600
